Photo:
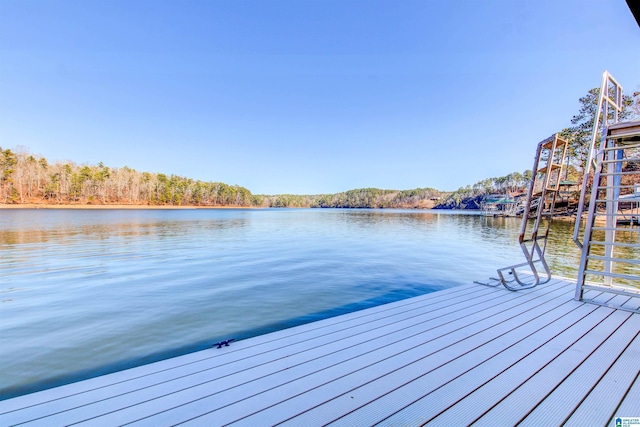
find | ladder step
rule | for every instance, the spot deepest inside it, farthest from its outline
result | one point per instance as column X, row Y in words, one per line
column 628, row 159
column 618, row 229
column 619, row 173
column 537, row 238
column 524, row 264
column 548, row 145
column 616, row 244
column 616, row 275
column 612, row 259
column 630, row 292
column 554, row 166
column 604, row 214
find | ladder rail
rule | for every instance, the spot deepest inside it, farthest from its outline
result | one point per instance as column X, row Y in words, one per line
column 604, row 102
column 531, row 189
column 601, row 120
column 588, row 230
column 533, row 238
column 616, row 261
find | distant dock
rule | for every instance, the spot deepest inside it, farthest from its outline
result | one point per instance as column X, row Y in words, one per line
column 471, row 354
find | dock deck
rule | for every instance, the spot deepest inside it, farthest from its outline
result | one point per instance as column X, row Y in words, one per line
column 467, row 355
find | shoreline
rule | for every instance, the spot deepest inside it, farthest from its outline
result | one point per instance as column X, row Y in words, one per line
column 116, row 206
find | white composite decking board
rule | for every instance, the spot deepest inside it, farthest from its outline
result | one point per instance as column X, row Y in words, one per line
column 536, row 389
column 630, row 406
column 390, row 390
column 611, row 389
column 508, row 388
column 375, row 344
column 489, row 379
column 240, row 370
column 570, row 372
column 400, row 365
column 293, row 370
column 558, row 405
column 446, row 357
column 440, row 390
column 348, row 365
column 339, row 379
column 162, row 371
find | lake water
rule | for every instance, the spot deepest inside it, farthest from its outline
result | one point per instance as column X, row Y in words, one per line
column 86, row 292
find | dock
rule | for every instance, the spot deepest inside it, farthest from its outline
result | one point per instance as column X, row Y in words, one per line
column 468, row 355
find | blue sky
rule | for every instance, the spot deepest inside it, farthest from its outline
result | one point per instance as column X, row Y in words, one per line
column 305, row 96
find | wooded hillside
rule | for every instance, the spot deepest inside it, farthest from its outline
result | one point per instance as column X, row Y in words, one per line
column 424, row 198
column 25, row 178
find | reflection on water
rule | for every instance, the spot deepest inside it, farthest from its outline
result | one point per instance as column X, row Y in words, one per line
column 88, row 292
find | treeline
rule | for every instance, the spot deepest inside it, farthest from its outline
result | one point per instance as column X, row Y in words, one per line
column 358, row 198
column 25, row 178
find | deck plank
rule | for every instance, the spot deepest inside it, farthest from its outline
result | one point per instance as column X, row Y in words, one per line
column 630, row 406
column 465, row 354
column 434, row 394
column 611, row 388
column 382, row 344
column 557, row 406
column 388, row 373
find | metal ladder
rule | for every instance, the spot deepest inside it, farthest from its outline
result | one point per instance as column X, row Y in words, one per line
column 610, row 256
column 549, row 166
column 611, row 248
column 609, row 107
